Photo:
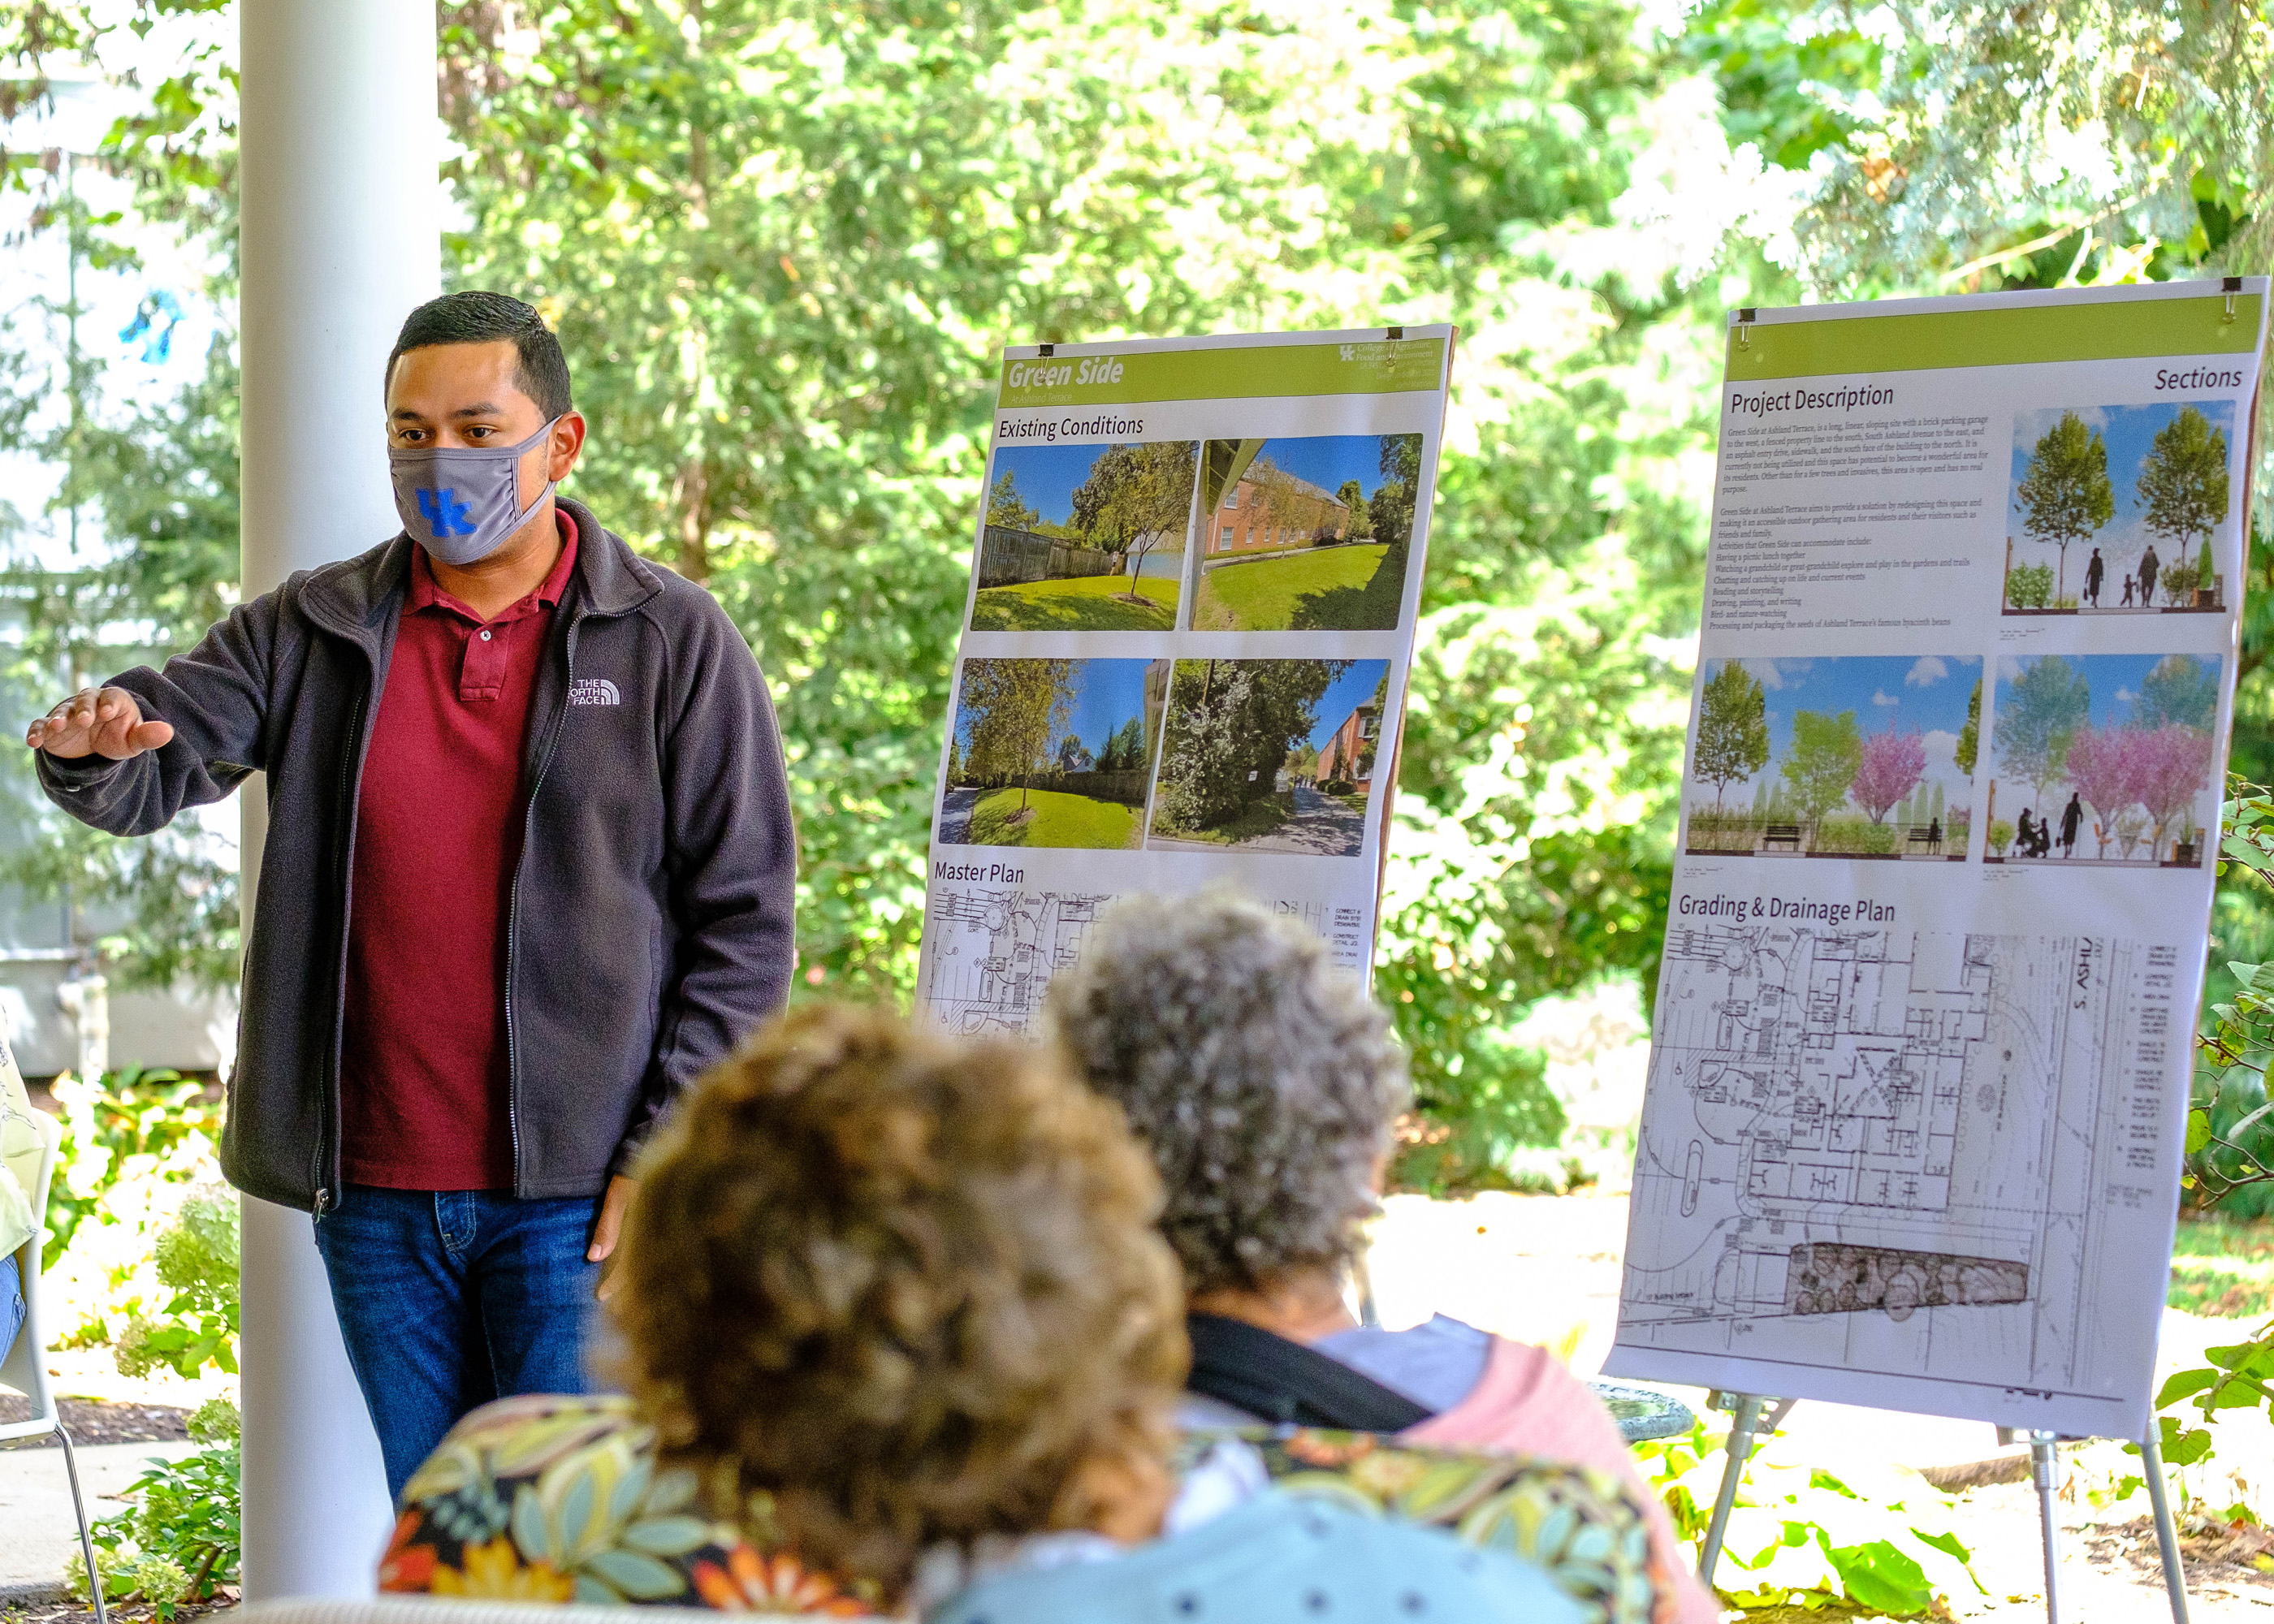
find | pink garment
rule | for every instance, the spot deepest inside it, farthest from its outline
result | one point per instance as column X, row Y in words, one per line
column 1527, row 1402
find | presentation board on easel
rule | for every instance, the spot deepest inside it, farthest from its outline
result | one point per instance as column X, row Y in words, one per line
column 1918, row 1085
column 1194, row 584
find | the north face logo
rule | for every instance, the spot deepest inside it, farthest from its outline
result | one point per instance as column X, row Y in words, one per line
column 594, row 691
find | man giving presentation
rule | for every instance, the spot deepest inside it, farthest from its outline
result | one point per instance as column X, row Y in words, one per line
column 529, row 871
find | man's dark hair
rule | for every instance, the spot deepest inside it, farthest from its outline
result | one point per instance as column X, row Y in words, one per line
column 476, row 318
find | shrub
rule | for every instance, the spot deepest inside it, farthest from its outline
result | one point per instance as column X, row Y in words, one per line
column 1804, row 1535
column 181, row 1543
column 2030, row 586
column 137, row 1146
column 198, row 1256
column 2001, row 835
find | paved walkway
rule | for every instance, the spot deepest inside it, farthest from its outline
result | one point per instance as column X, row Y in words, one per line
column 1322, row 827
column 955, row 817
column 35, row 1508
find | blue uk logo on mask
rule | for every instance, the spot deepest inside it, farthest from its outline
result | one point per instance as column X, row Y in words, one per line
column 444, row 513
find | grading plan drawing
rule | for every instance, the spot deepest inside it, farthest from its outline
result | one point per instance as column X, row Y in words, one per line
column 1902, row 1153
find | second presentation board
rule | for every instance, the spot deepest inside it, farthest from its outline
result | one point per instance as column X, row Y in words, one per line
column 1919, row 1071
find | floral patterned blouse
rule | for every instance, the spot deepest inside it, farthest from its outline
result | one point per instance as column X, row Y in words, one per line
column 560, row 1498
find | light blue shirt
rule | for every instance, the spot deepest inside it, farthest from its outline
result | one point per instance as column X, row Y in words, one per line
column 1276, row 1560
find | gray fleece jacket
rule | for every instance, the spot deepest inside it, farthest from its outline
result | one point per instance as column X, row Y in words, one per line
column 649, row 920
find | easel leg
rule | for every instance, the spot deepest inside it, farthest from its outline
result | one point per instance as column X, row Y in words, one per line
column 2167, row 1532
column 1742, row 1431
column 2045, row 1463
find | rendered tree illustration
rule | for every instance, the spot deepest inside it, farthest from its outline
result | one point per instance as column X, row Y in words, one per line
column 1893, row 764
column 1969, row 737
column 1827, row 752
column 2183, row 481
column 1006, row 508
column 2065, row 496
column 2103, row 768
column 1016, row 707
column 2181, row 690
column 2047, row 704
column 2175, row 768
column 1135, row 498
column 1733, row 730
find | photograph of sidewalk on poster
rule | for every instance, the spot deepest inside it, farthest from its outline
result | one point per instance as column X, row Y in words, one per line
column 1051, row 752
column 1269, row 756
column 2112, row 510
column 1085, row 539
column 1869, row 756
column 2104, row 759
column 1308, row 533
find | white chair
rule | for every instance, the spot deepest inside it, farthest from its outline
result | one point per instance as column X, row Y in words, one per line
column 26, row 1367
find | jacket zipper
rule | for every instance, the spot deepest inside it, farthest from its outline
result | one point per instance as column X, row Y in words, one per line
column 327, row 1141
column 513, row 908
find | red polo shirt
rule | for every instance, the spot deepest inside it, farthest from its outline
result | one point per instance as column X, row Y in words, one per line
column 437, row 832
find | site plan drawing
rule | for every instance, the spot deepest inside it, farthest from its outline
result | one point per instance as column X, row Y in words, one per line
column 1916, row 1107
column 1897, row 1153
column 988, row 954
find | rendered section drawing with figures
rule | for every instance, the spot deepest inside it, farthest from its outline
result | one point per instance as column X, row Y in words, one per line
column 1902, row 1153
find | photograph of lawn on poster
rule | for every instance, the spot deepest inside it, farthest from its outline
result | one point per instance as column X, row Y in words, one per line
column 1269, row 756
column 1085, row 539
column 1309, row 533
column 2104, row 759
column 1052, row 751
column 2111, row 509
column 1871, row 757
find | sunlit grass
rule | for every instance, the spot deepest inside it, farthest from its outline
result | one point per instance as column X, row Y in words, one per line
column 1089, row 604
column 1051, row 818
column 1330, row 589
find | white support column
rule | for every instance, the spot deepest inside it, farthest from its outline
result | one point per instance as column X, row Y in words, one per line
column 340, row 238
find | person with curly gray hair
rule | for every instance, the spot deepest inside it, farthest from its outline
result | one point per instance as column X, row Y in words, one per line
column 1266, row 1086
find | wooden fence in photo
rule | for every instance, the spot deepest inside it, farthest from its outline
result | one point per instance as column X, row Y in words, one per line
column 1012, row 558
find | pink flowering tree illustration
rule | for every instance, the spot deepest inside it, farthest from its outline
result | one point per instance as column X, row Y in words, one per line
column 1894, row 764
column 2174, row 769
column 2104, row 768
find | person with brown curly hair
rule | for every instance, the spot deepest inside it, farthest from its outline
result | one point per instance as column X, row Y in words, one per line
column 900, row 1332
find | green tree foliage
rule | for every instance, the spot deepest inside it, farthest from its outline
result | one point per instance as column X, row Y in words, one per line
column 1015, row 707
column 2043, row 709
column 2184, row 479
column 1006, row 508
column 1136, row 497
column 2065, row 494
column 1733, row 730
column 1969, row 737
column 1391, row 508
column 2179, row 689
column 1826, row 752
column 1232, row 725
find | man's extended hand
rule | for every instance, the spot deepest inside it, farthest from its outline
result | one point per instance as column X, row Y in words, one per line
column 98, row 721
column 607, row 1226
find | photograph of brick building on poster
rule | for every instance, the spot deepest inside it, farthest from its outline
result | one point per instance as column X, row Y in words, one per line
column 1305, row 533
column 1269, row 756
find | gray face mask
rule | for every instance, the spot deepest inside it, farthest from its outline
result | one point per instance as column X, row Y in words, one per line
column 461, row 504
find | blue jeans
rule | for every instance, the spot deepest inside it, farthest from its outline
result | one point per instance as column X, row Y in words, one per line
column 12, row 1302
column 448, row 1300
